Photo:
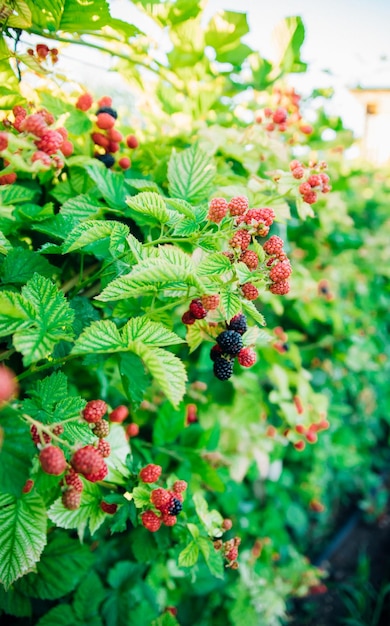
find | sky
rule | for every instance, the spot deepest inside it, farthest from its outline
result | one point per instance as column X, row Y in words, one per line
column 347, row 44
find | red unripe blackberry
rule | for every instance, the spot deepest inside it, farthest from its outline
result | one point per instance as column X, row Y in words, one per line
column 67, row 148
column 326, row 189
column 161, row 498
column 8, row 384
column 298, row 172
column 84, row 102
column 324, row 178
column 150, row 473
column 104, row 448
column 241, row 239
column 172, row 610
column 28, row 485
column 57, row 429
column 282, row 127
column 132, row 430
column 119, row 414
column 280, row 271
column 42, row 50
column 249, row 291
column 52, row 460
column 105, row 121
column 188, row 318
column 72, row 479
column 230, row 342
column 300, row 429
column 124, row 163
column 264, row 214
column 210, row 302
column 227, row 524
column 35, row 436
column 191, row 413
column 71, row 499
column 94, row 411
column 274, row 245
column 114, row 135
column 238, row 205
column 311, row 437
column 113, row 147
column 310, row 198
column 247, row 357
column 50, row 142
column 3, row 141
column 232, row 554
column 100, row 140
column 271, row 431
column 19, row 111
column 18, row 122
column 35, row 124
column 99, row 474
column 299, row 445
column 87, row 460
column 179, row 486
column 323, row 424
column 132, row 142
column 223, row 369
column 270, row 127
column 41, row 156
column 250, row 258
column 315, row 180
column 151, row 521
column 197, row 309
column 108, row 508
column 280, row 116
column 101, row 429
column 294, row 164
column 218, row 208
column 8, row 179
column 304, row 188
column 306, row 129
column 105, row 101
column 280, row 289
column 47, row 116
column 238, row 323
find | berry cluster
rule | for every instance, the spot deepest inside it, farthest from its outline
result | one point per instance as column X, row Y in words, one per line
column 229, row 346
column 167, row 503
column 229, row 550
column 106, row 138
column 309, row 432
column 42, row 53
column 313, row 179
column 199, row 307
column 284, row 113
column 278, row 264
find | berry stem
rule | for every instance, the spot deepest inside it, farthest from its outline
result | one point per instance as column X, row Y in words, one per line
column 167, row 240
column 6, row 354
column 41, row 428
column 38, row 368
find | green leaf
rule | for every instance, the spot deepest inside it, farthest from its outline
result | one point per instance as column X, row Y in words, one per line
column 231, row 303
column 22, row 19
column 151, row 205
column 16, row 452
column 91, row 231
column 88, row 597
column 5, row 245
column 150, row 333
column 110, row 184
column 168, row 371
column 141, row 496
column 289, row 35
column 243, row 273
column 21, row 264
column 140, row 184
column 120, row 450
column 213, row 558
column 214, row 264
column 78, row 123
column 134, row 379
column 99, row 337
column 16, row 194
column 189, row 556
column 23, row 535
column 80, row 17
column 14, row 603
column 61, row 567
column 51, row 320
column 181, row 206
column 225, row 31
column 168, row 425
column 83, row 207
column 61, row 615
column 190, row 174
column 250, row 308
column 15, row 312
column 88, row 515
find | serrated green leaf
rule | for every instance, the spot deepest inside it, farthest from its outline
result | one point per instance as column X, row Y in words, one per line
column 231, row 304
column 212, row 557
column 15, row 312
column 89, row 232
column 190, row 174
column 250, row 308
column 199, row 332
column 61, row 615
column 168, row 371
column 88, row 515
column 243, row 273
column 62, row 565
column 21, row 264
column 110, row 184
column 5, row 245
column 142, row 184
column 16, row 194
column 88, row 597
column 150, row 333
column 135, row 381
column 78, row 123
column 141, row 496
column 168, row 425
column 189, row 556
column 211, row 519
column 99, row 337
column 83, row 207
column 14, row 603
column 214, row 264
column 16, row 452
column 23, row 535
column 183, row 207
column 120, row 450
column 150, row 204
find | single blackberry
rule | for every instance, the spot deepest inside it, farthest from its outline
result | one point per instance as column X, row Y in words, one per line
column 238, row 323
column 107, row 159
column 175, row 507
column 108, row 110
column 215, row 353
column 230, row 342
column 223, row 369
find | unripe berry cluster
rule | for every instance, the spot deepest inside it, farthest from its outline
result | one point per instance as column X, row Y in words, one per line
column 313, row 179
column 166, row 503
column 229, row 346
column 229, row 550
column 42, row 53
column 279, row 266
column 199, row 307
column 283, row 113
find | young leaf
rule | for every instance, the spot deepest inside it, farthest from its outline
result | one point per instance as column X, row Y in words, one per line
column 190, row 174
column 150, row 333
column 150, row 204
column 189, row 556
column 213, row 264
column 92, row 231
column 168, row 371
column 250, row 308
column 231, row 303
column 15, row 312
column 110, row 184
column 61, row 567
column 212, row 557
column 89, row 514
column 23, row 535
column 99, row 337
column 141, row 496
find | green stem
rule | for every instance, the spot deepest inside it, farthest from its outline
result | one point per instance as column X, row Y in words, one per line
column 155, row 242
column 7, row 353
column 39, row 368
column 41, row 428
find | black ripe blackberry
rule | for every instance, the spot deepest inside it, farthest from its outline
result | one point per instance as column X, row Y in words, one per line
column 215, row 353
column 230, row 342
column 175, row 507
column 108, row 110
column 107, row 159
column 223, row 369
column 238, row 323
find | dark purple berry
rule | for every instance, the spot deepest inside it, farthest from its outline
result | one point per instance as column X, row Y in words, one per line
column 230, row 342
column 238, row 323
column 107, row 159
column 223, row 369
column 175, row 507
column 108, row 110
column 215, row 353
